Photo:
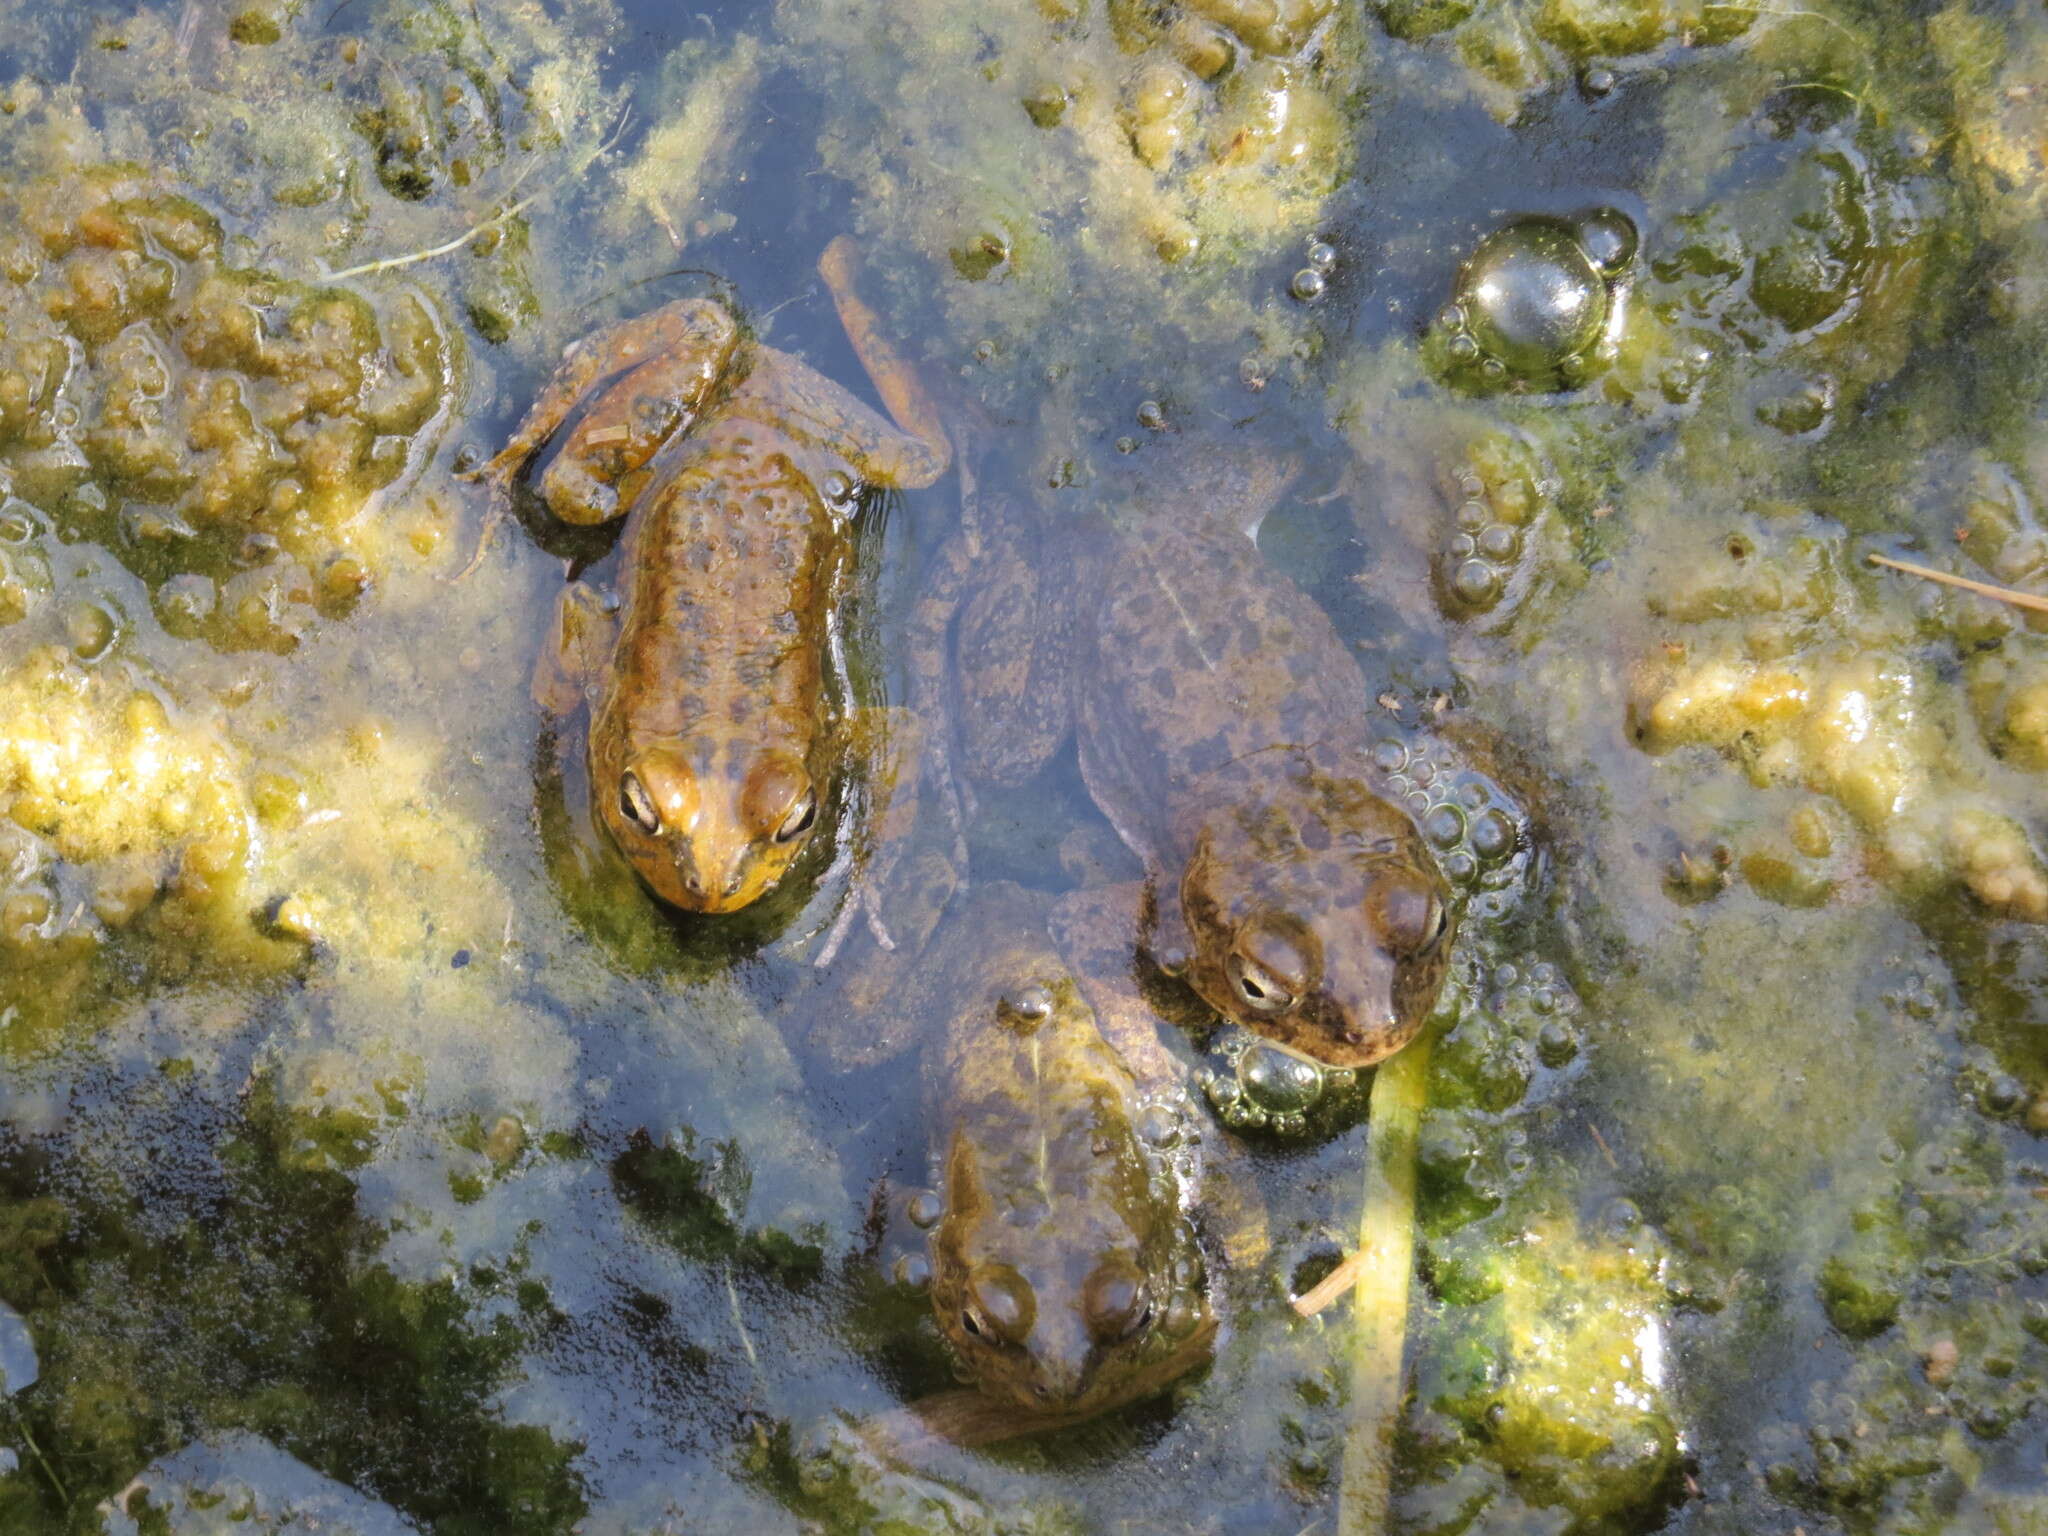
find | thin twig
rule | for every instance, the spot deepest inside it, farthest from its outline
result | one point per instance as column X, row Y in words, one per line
column 739, row 1321
column 21, row 1423
column 1332, row 1285
column 1605, row 1150
column 477, row 231
column 2028, row 600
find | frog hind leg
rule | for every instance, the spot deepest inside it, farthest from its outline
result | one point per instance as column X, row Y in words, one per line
column 575, row 651
column 688, row 338
column 928, row 661
column 921, row 452
column 683, row 325
column 1013, row 651
column 594, row 474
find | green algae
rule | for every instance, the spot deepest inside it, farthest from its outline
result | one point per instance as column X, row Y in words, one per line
column 358, row 1106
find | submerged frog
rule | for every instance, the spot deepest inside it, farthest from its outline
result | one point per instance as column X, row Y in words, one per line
column 1060, row 1247
column 1222, row 728
column 712, row 733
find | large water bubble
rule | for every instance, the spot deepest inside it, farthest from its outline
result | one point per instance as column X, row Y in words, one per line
column 1538, row 302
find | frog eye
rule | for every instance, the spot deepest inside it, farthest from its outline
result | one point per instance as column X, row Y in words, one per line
column 780, row 803
column 638, row 805
column 1272, row 964
column 1114, row 1302
column 799, row 819
column 1412, row 918
column 1000, row 1307
column 1260, row 989
column 1440, row 924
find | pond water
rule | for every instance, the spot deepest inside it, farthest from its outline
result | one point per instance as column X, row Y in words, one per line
column 378, row 1154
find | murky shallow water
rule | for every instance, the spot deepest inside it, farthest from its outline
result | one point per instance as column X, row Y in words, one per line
column 360, row 1121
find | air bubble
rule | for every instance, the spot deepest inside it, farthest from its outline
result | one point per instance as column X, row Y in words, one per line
column 1503, row 541
column 1493, row 835
column 90, row 629
column 1280, row 1083
column 1308, row 285
column 1534, row 297
column 1445, row 826
column 1476, row 584
column 1609, row 239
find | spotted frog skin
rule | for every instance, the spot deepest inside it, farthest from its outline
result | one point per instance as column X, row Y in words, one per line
column 1060, row 1250
column 712, row 740
column 1222, row 728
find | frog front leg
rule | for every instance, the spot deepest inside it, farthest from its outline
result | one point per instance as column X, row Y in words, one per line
column 577, row 649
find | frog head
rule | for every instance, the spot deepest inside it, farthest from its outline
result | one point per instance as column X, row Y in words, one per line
column 1058, row 1272
column 709, row 827
column 1320, row 922
column 1056, row 1319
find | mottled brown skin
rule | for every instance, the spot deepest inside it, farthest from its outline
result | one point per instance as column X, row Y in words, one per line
column 1064, row 1267
column 1222, row 728
column 712, row 741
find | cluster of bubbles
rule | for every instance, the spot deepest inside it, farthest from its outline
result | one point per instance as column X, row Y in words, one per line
column 1479, row 833
column 1256, row 1086
column 1500, row 495
column 1313, row 280
column 1539, row 303
column 1534, row 1008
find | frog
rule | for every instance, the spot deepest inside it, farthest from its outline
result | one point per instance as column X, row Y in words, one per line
column 708, row 676
column 1062, row 1240
column 1221, row 727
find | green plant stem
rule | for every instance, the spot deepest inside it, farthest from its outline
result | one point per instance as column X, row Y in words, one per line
column 1379, row 1298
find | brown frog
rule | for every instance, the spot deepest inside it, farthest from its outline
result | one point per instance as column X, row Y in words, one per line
column 1222, row 728
column 712, row 735
column 1059, row 1244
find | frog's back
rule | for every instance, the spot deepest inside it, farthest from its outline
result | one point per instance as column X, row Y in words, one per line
column 1203, row 660
column 727, row 576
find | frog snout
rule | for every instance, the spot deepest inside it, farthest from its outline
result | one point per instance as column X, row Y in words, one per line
column 715, row 885
column 1061, row 1376
column 1359, row 1003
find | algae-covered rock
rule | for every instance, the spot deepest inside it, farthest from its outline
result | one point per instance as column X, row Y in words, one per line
column 229, row 431
column 1767, row 654
column 1026, row 162
column 1557, row 1381
column 241, row 1483
column 1517, row 49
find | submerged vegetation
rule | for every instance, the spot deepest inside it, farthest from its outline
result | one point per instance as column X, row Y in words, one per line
column 375, row 1151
